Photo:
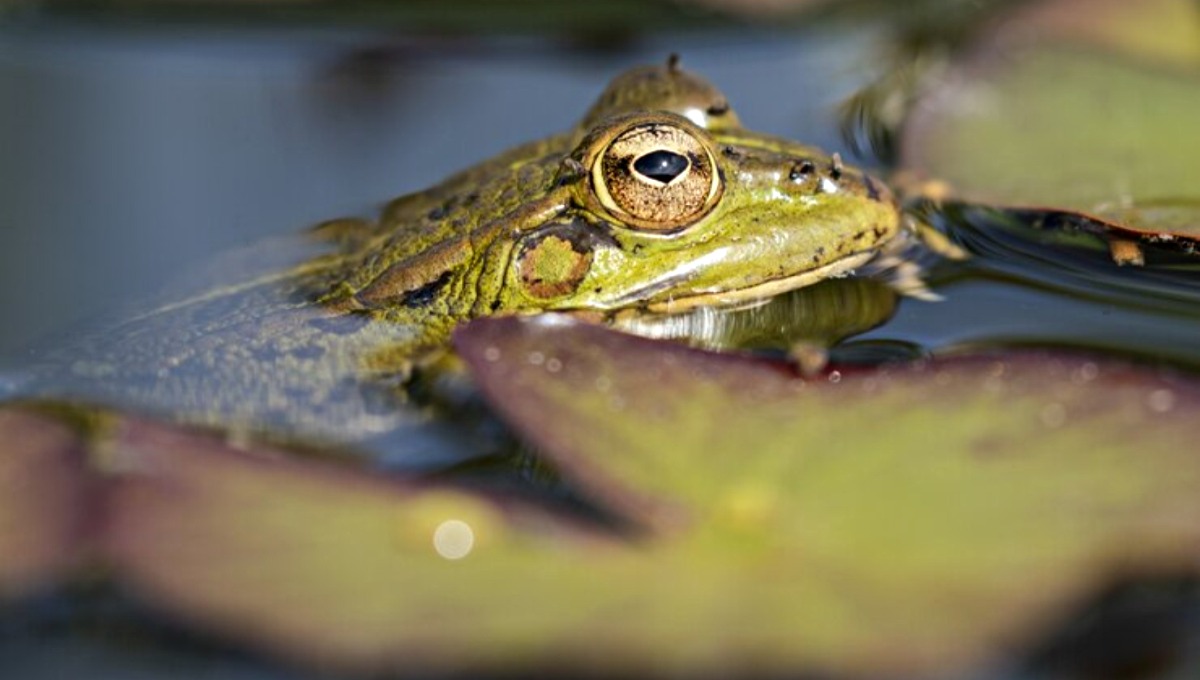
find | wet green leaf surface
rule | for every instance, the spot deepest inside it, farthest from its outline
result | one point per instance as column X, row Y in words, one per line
column 1075, row 105
column 908, row 519
column 334, row 568
column 1162, row 31
column 915, row 519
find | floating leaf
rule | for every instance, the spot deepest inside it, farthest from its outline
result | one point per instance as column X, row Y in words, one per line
column 779, row 534
column 1093, row 115
column 43, row 499
column 334, row 567
column 1165, row 31
column 909, row 519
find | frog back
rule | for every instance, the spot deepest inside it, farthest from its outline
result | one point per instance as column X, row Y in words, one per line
column 244, row 346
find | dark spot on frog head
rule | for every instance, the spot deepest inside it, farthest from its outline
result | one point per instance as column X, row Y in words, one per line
column 440, row 212
column 719, row 108
column 424, row 295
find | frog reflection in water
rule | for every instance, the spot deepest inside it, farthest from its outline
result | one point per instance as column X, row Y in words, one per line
column 657, row 203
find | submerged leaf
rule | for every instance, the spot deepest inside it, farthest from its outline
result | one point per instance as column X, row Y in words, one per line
column 1094, row 116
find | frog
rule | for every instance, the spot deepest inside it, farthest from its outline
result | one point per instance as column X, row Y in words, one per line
column 656, row 203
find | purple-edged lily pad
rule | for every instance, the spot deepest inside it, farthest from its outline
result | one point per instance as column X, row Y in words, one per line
column 900, row 521
column 904, row 520
column 44, row 497
column 1075, row 105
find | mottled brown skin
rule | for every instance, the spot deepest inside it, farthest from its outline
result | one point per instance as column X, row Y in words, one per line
column 315, row 342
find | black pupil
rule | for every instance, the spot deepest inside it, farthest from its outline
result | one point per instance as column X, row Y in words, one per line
column 661, row 165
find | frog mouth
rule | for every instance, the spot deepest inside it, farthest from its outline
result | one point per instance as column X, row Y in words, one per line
column 760, row 291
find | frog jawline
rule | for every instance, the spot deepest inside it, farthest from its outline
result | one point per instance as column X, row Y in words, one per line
column 764, row 290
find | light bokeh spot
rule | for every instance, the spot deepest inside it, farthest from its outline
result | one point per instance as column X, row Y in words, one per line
column 453, row 539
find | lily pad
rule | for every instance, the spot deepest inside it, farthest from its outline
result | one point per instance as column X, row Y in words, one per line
column 1092, row 115
column 910, row 519
column 1164, row 31
column 768, row 530
column 332, row 567
column 43, row 501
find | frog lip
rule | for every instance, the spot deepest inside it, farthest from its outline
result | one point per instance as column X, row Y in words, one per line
column 766, row 289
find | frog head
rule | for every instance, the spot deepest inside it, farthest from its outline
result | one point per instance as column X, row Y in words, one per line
column 659, row 199
column 667, row 202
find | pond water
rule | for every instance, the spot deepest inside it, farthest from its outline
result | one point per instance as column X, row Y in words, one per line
column 133, row 153
column 1050, row 286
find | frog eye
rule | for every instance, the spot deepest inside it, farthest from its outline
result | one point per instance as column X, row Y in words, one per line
column 657, row 177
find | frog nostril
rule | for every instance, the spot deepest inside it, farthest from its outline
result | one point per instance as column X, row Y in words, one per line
column 800, row 170
column 661, row 166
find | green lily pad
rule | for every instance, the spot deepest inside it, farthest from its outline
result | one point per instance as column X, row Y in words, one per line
column 331, row 566
column 43, row 501
column 908, row 520
column 1164, row 31
column 911, row 519
column 1080, row 106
